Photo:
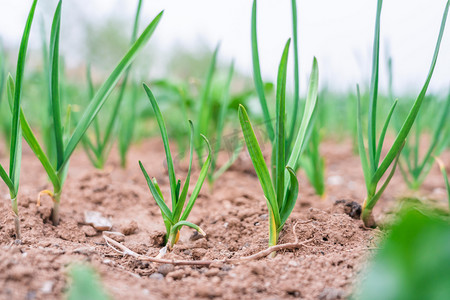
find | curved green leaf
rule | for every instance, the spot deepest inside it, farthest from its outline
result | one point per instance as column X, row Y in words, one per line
column 258, row 162
column 178, row 226
column 102, row 94
column 310, row 107
column 37, row 150
column 290, row 198
column 15, row 149
column 259, row 85
column 156, row 194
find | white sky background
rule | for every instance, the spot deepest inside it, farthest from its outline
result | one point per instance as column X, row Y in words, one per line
column 338, row 33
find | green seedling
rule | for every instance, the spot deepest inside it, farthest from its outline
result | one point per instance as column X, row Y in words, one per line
column 176, row 218
column 372, row 168
column 215, row 172
column 208, row 121
column 281, row 190
column 414, row 169
column 65, row 141
column 98, row 148
column 11, row 179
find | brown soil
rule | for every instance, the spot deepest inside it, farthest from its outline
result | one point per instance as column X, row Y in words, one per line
column 233, row 214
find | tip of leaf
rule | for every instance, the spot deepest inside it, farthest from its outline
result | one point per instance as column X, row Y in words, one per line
column 201, row 232
column 206, row 141
column 440, row 163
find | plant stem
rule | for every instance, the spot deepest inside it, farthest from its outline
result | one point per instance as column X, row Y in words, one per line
column 173, row 239
column 55, row 212
column 273, row 233
column 16, row 217
column 366, row 214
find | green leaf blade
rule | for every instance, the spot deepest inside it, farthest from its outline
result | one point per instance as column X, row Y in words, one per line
column 14, row 161
column 307, row 120
column 258, row 162
column 280, row 143
column 107, row 87
column 165, row 138
column 259, row 85
column 156, row 194
column 54, row 84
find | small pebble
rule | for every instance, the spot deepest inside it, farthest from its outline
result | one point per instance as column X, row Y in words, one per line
column 47, row 287
column 129, row 228
column 96, row 220
column 212, row 272
column 157, row 276
column 178, row 274
column 85, row 250
column 89, row 230
column 165, row 269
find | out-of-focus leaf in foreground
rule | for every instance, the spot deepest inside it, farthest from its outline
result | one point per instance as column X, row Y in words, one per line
column 414, row 262
column 85, row 284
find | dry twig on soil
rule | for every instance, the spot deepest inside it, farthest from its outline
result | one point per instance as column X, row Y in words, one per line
column 118, row 247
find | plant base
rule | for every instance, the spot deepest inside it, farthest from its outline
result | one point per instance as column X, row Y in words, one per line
column 55, row 213
column 368, row 219
column 17, row 227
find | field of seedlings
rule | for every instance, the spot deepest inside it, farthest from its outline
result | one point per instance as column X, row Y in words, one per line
column 215, row 184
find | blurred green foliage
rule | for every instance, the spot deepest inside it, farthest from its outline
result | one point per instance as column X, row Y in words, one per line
column 85, row 284
column 414, row 261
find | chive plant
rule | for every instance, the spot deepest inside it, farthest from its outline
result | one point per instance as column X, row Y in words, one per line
column 98, row 148
column 370, row 160
column 65, row 141
column 11, row 179
column 281, row 189
column 413, row 168
column 176, row 218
